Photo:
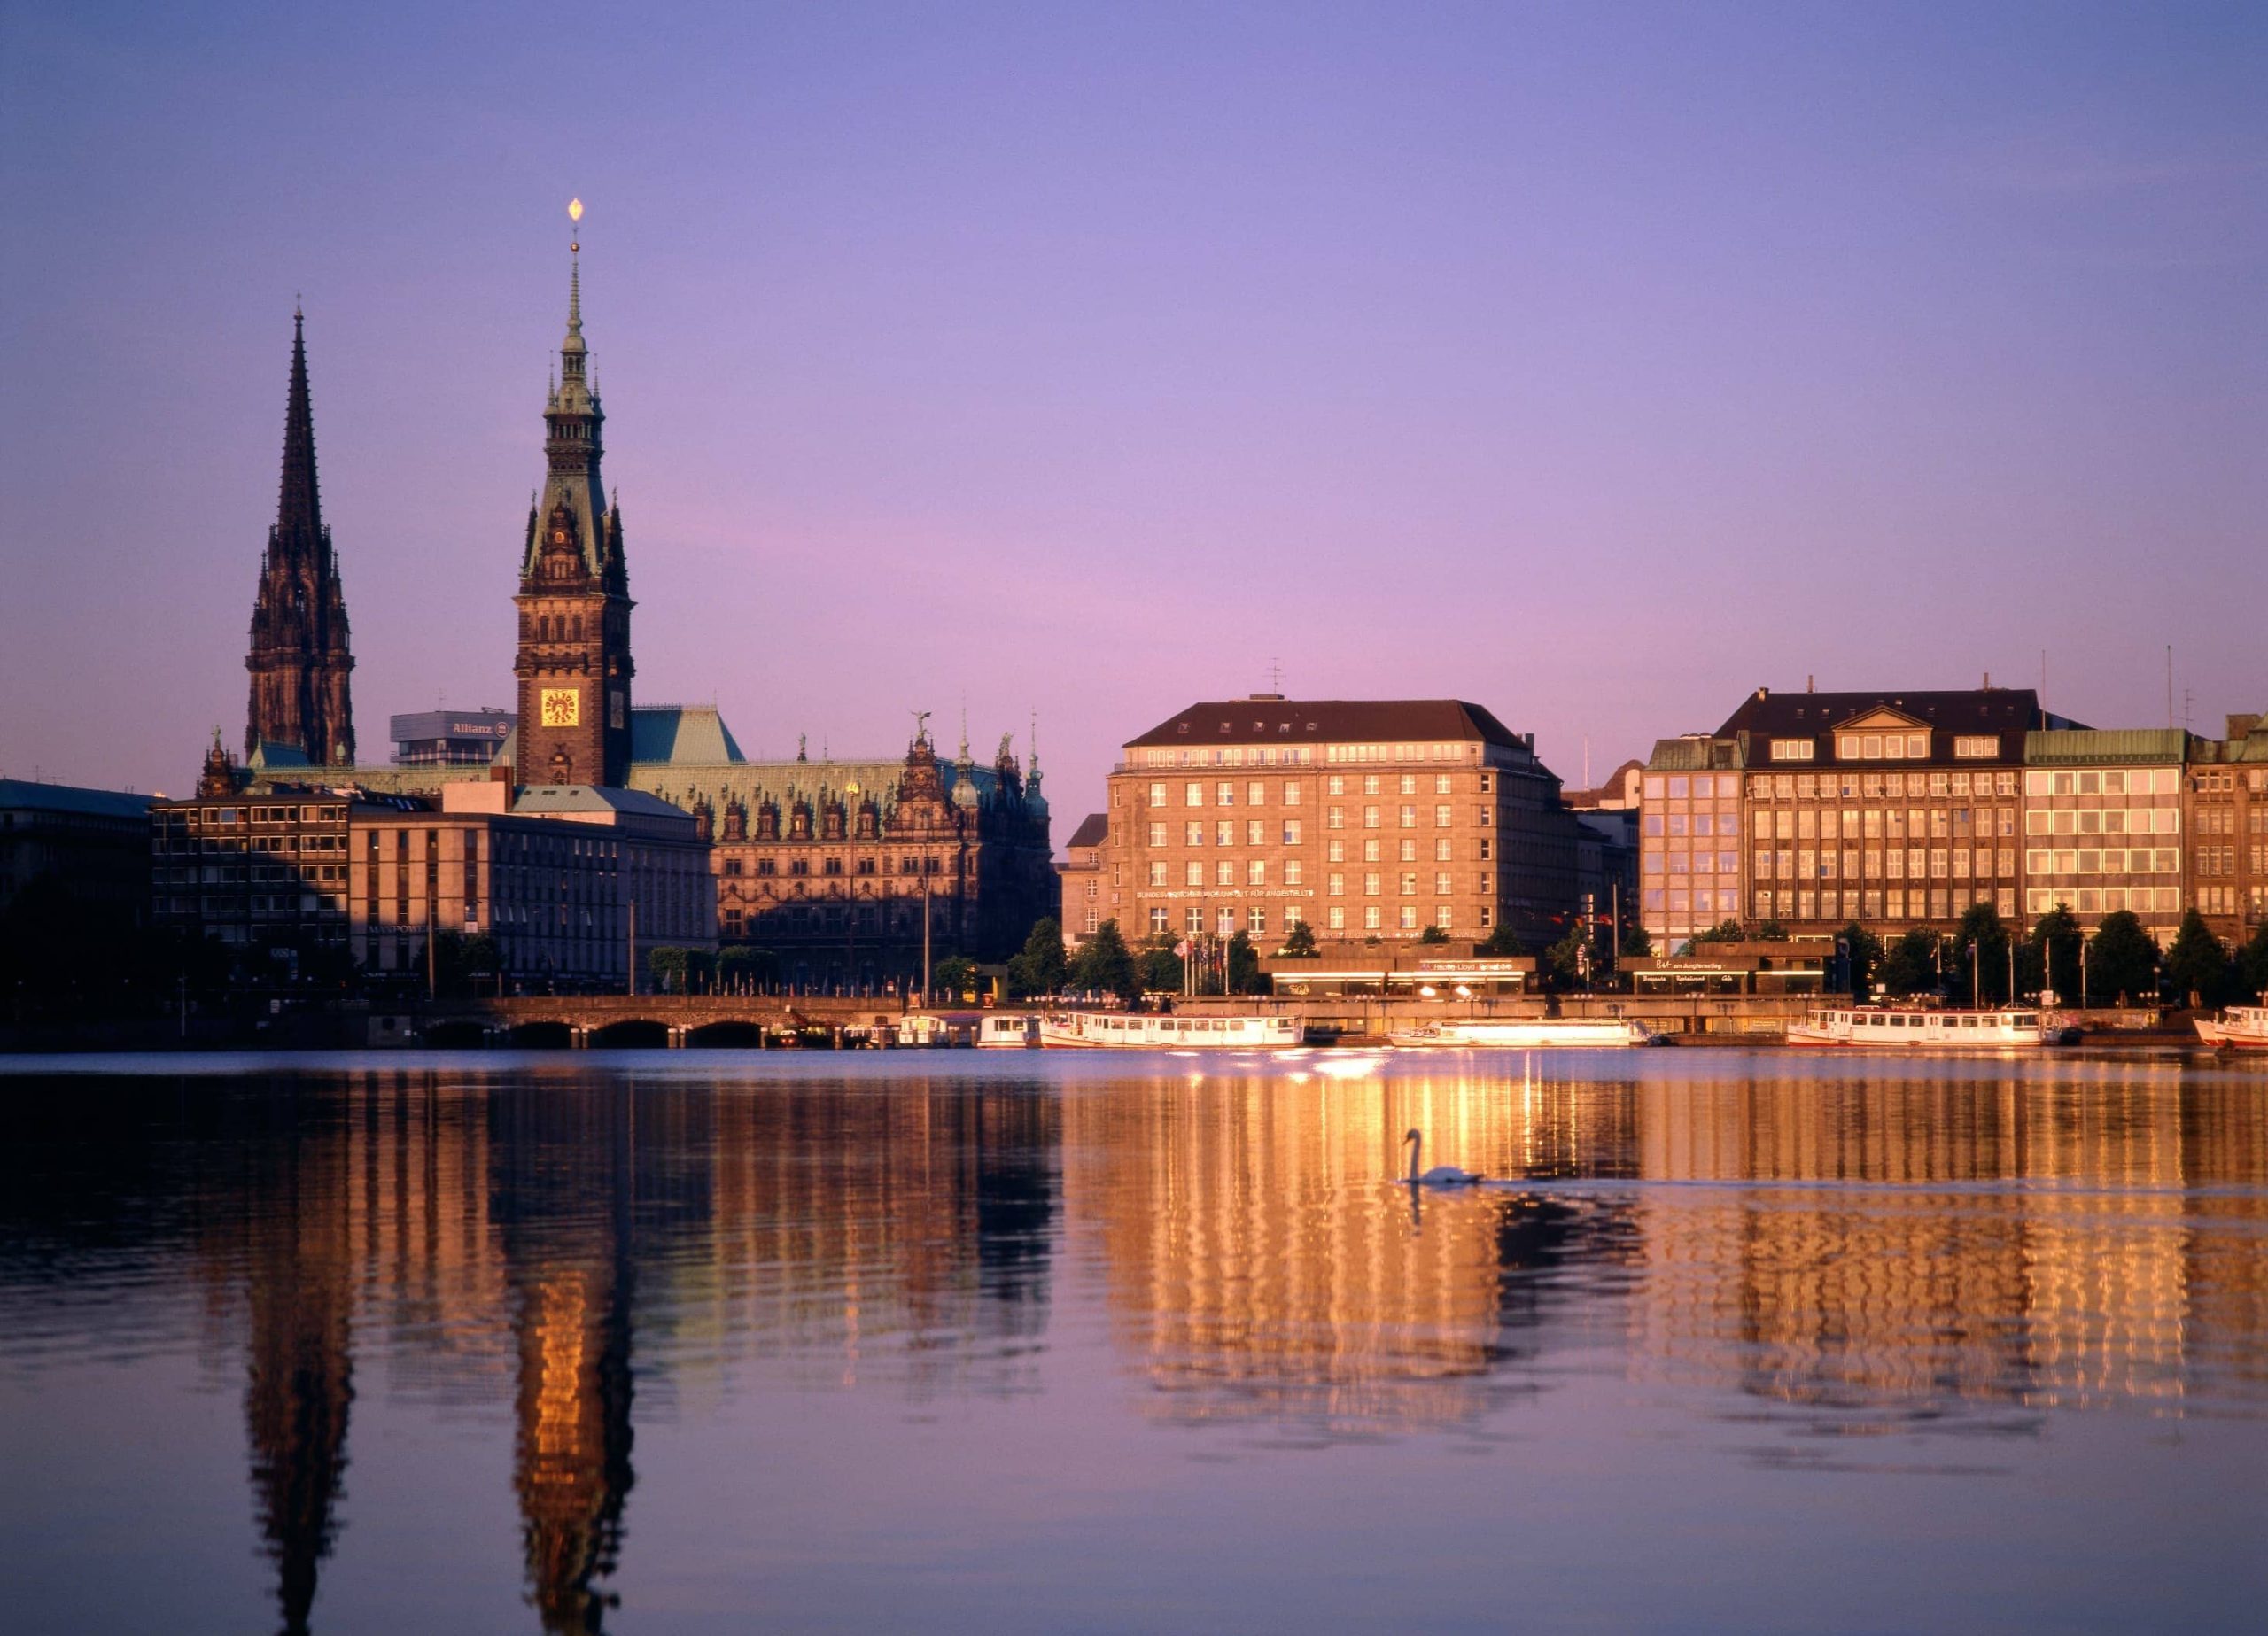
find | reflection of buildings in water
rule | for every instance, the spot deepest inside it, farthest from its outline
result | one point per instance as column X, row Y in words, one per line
column 311, row 1195
column 2226, row 1270
column 2069, row 1277
column 908, row 1229
column 1264, row 1265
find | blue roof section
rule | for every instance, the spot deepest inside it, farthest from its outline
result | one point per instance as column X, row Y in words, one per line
column 25, row 794
column 681, row 734
column 539, row 799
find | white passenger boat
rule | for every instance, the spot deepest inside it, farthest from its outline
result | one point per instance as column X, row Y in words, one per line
column 1145, row 1031
column 2240, row 1027
column 1008, row 1031
column 1878, row 1026
column 1532, row 1034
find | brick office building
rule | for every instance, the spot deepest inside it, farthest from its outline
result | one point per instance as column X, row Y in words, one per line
column 1814, row 809
column 1369, row 819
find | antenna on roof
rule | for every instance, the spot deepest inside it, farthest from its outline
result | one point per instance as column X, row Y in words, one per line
column 1275, row 675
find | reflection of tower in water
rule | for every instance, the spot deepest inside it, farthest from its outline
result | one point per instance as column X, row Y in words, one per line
column 313, row 1196
column 565, row 1182
column 299, row 1287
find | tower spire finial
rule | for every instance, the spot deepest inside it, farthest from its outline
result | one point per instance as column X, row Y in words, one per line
column 575, row 268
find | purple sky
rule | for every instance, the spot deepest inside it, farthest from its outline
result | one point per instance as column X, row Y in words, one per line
column 1594, row 363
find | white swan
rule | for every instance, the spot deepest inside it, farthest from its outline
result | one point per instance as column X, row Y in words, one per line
column 1440, row 1176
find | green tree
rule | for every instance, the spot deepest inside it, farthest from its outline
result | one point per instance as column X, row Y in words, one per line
column 666, row 967
column 1243, row 966
column 1105, row 965
column 1040, row 967
column 1501, row 943
column 1980, row 965
column 1433, row 935
column 1724, row 932
column 955, row 977
column 1863, row 949
column 2252, row 965
column 1636, row 944
column 1159, row 967
column 2197, row 964
column 1911, row 965
column 2122, row 961
column 1563, row 962
column 1768, row 932
column 2054, row 951
column 1299, row 942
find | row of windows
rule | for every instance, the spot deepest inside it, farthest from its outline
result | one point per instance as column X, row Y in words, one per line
column 2163, row 861
column 1898, row 864
column 2103, row 899
column 1406, row 818
column 2109, row 781
column 1253, row 792
column 2107, row 821
column 1443, row 884
column 1224, row 921
column 1879, row 903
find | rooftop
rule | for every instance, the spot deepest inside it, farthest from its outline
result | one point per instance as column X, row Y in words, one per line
column 1265, row 718
column 28, row 795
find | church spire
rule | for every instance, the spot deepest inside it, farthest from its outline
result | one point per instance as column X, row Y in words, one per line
column 299, row 657
column 299, row 511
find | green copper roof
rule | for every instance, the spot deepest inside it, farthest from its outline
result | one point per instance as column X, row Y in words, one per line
column 2097, row 747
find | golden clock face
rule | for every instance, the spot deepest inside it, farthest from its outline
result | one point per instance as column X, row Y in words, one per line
column 563, row 707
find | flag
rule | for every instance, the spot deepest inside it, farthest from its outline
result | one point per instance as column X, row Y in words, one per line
column 1181, row 950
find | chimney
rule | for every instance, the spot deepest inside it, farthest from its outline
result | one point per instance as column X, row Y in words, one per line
column 1988, row 681
column 1811, row 684
column 1762, row 693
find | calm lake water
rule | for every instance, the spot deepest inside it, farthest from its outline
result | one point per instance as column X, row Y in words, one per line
column 712, row 1341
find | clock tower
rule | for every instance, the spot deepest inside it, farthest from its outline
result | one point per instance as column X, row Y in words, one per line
column 574, row 604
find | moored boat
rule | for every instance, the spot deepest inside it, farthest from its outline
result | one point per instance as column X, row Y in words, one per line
column 1530, row 1034
column 1145, row 1031
column 1878, row 1026
column 1008, row 1031
column 2240, row 1027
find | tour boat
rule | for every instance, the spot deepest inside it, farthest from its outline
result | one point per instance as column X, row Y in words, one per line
column 1144, row 1031
column 1528, row 1033
column 1008, row 1031
column 2240, row 1027
column 1871, row 1025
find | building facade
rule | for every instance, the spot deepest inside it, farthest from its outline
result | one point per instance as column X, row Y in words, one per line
column 252, row 869
column 1369, row 819
column 2103, row 825
column 570, row 883
column 92, row 843
column 298, row 658
column 2226, row 808
column 851, row 872
column 450, row 738
column 1082, row 902
column 1817, row 809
